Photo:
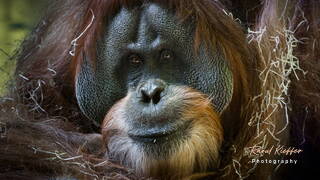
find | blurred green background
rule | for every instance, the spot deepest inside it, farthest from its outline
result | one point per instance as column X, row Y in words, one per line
column 17, row 18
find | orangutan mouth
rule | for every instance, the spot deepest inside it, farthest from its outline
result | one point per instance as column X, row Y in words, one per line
column 162, row 134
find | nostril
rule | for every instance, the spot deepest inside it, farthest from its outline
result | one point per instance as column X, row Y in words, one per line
column 145, row 97
column 157, row 96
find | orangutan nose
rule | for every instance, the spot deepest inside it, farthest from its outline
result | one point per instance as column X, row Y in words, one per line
column 151, row 91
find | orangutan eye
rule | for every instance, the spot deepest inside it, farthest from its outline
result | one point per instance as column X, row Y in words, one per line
column 135, row 59
column 166, row 55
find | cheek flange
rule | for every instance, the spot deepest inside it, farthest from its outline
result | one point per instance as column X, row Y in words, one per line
column 95, row 93
column 223, row 83
column 211, row 74
column 86, row 89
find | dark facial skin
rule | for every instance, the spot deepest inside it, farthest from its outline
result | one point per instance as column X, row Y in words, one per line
column 145, row 51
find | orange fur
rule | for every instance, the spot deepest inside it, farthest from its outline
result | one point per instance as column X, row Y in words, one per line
column 196, row 154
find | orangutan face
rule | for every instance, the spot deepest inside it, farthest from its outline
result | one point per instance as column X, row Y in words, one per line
column 162, row 99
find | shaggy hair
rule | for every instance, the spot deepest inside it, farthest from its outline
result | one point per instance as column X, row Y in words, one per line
column 276, row 91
